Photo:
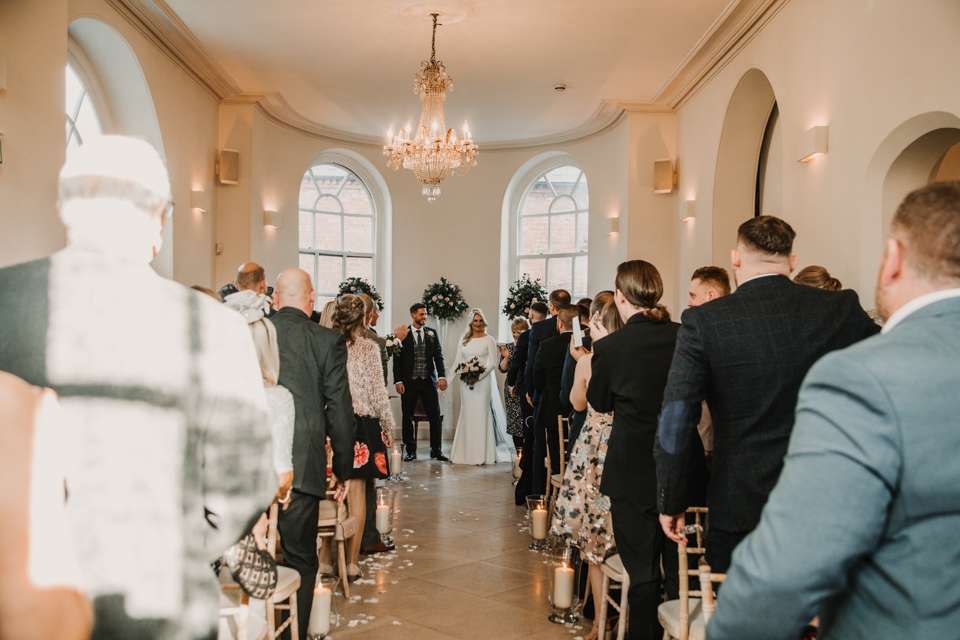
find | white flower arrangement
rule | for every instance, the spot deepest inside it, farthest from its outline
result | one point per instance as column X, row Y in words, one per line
column 470, row 371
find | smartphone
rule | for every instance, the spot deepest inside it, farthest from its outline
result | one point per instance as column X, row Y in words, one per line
column 577, row 333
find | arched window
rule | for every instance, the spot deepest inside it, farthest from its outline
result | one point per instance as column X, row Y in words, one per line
column 82, row 120
column 553, row 221
column 337, row 229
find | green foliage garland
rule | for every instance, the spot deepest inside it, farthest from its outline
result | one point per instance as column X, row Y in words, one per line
column 357, row 286
column 522, row 294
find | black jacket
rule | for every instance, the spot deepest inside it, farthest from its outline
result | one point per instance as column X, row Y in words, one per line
column 403, row 364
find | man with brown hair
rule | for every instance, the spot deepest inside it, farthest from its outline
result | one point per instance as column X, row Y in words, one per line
column 706, row 284
column 745, row 354
column 861, row 527
column 547, row 373
column 251, row 277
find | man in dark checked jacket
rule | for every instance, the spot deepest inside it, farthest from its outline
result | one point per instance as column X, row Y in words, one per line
column 746, row 355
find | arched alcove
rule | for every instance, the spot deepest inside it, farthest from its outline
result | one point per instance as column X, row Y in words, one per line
column 120, row 91
column 920, row 150
column 741, row 142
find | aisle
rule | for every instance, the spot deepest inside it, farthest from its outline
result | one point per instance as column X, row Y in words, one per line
column 461, row 569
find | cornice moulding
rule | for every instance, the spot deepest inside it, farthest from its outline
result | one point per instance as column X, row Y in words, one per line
column 739, row 23
column 161, row 26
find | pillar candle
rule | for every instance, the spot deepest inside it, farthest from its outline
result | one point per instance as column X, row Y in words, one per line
column 320, row 612
column 539, row 517
column 563, row 587
column 383, row 518
column 396, row 462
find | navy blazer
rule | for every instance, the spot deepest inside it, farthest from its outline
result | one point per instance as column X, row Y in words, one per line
column 403, row 364
column 539, row 333
column 746, row 354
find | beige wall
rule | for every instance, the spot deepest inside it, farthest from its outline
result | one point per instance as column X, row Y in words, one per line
column 863, row 68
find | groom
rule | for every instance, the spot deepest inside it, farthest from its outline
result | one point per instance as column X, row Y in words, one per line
column 416, row 377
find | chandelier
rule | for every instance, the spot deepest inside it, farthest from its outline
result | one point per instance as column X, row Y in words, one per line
column 435, row 151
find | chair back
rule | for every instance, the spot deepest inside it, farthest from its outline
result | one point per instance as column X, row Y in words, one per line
column 563, row 431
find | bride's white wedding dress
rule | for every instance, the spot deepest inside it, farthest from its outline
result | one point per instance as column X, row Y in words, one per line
column 481, row 436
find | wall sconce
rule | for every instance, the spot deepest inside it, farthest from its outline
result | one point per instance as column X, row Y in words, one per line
column 199, row 201
column 688, row 210
column 612, row 226
column 812, row 143
column 664, row 177
column 271, row 219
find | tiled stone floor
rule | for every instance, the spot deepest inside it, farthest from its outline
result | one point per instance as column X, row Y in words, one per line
column 461, row 569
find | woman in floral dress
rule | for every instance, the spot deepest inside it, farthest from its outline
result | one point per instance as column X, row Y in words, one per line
column 582, row 515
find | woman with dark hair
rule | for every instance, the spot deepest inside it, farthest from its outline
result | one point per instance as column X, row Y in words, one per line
column 372, row 409
column 629, row 375
column 511, row 401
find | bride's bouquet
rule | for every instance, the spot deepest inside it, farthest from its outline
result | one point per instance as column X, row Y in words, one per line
column 470, row 371
column 393, row 345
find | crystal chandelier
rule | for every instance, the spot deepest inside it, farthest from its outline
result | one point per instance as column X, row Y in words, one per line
column 435, row 151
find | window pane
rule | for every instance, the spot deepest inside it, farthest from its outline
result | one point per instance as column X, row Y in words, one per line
column 581, row 195
column 307, row 263
column 88, row 125
column 360, row 268
column 329, row 177
column 354, row 196
column 330, row 274
column 563, row 233
column 563, row 178
column 534, row 267
column 583, row 231
column 322, row 302
column 328, row 232
column 328, row 204
column 563, row 204
column 580, row 277
column 533, row 235
column 306, row 230
column 538, row 199
column 560, row 274
column 358, row 234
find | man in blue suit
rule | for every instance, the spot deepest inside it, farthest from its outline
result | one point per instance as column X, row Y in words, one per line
column 861, row 528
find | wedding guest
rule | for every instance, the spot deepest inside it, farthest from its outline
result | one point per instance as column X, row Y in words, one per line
column 162, row 392
column 547, row 372
column 326, row 316
column 577, row 417
column 417, row 374
column 539, row 332
column 313, row 366
column 518, row 386
column 371, row 408
column 629, row 372
column 582, row 515
column 251, row 277
column 819, row 277
column 706, row 284
column 864, row 516
column 210, row 292
column 511, row 402
column 746, row 354
column 40, row 591
column 481, row 435
column 226, row 290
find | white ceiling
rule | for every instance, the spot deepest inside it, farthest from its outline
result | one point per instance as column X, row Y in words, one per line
column 349, row 64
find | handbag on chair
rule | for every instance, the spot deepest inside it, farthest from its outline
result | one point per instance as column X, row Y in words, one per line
column 252, row 568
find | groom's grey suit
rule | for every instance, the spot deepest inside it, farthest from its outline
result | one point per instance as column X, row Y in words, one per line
column 861, row 528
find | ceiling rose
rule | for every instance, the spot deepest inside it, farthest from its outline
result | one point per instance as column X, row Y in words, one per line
column 449, row 11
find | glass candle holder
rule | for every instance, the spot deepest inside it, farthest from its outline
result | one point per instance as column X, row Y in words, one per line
column 323, row 613
column 396, row 465
column 563, row 580
column 385, row 503
column 538, row 513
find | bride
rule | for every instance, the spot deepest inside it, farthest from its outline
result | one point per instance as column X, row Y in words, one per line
column 481, row 436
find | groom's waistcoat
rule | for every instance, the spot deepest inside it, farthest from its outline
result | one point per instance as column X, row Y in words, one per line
column 420, row 357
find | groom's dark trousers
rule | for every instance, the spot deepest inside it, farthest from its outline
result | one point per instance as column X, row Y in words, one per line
column 423, row 389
